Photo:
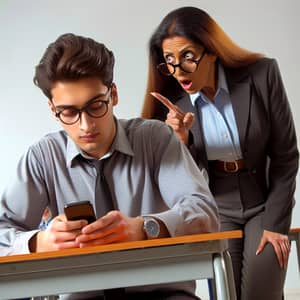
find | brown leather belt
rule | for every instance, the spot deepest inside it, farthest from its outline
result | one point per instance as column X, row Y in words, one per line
column 229, row 166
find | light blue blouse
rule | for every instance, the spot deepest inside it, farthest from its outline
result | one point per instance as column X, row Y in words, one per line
column 218, row 122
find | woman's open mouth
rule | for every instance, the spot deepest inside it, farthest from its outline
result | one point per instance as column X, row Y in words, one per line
column 186, row 84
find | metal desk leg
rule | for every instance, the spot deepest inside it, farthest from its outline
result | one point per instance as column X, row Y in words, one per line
column 297, row 240
column 230, row 276
column 224, row 280
column 294, row 235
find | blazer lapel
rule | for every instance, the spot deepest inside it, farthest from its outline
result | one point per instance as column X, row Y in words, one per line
column 186, row 105
column 240, row 98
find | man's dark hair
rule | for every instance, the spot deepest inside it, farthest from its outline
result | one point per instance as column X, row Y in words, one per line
column 72, row 57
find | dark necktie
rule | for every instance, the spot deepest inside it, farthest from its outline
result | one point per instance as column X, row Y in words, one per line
column 103, row 199
column 104, row 204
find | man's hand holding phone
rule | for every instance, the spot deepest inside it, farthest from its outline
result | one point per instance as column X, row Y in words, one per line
column 60, row 234
column 78, row 227
column 114, row 227
column 111, row 228
column 63, row 230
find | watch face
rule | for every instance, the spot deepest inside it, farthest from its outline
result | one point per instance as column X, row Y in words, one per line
column 152, row 228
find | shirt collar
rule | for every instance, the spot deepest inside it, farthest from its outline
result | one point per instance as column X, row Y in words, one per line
column 120, row 143
column 222, row 84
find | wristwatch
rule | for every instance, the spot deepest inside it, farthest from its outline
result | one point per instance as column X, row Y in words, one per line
column 151, row 227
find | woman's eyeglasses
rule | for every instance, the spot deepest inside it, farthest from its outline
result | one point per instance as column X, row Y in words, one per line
column 187, row 65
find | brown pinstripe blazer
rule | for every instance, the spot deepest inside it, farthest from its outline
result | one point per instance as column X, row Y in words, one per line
column 268, row 144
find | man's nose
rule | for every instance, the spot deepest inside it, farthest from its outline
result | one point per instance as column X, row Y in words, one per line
column 85, row 121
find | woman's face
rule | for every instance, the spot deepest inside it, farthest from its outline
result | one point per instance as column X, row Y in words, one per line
column 178, row 49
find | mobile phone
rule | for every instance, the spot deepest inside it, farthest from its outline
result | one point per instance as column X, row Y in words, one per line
column 81, row 210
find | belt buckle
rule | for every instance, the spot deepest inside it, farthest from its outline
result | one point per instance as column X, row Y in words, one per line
column 236, row 167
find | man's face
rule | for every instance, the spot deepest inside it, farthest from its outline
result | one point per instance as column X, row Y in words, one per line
column 93, row 135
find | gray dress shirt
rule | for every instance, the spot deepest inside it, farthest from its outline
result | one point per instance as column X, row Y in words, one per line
column 150, row 172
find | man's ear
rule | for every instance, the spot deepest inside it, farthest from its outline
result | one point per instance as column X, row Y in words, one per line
column 52, row 108
column 114, row 94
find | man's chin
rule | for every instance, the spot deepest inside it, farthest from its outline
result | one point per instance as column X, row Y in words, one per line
column 91, row 150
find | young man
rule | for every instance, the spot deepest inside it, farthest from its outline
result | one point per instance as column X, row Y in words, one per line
column 149, row 174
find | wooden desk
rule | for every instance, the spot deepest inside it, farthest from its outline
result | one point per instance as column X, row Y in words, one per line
column 119, row 265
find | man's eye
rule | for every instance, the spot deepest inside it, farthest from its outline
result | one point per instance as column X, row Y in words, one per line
column 69, row 112
column 97, row 105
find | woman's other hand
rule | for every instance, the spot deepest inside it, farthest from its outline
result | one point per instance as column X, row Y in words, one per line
column 280, row 244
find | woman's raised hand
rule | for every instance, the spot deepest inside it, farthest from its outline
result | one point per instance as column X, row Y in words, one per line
column 180, row 121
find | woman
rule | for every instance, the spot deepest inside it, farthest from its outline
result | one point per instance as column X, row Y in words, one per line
column 230, row 108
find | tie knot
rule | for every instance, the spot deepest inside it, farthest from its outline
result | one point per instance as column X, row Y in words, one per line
column 98, row 165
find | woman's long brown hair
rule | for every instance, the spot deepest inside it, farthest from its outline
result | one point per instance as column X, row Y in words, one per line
column 197, row 26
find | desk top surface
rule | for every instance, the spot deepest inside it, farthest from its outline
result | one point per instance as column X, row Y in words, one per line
column 187, row 239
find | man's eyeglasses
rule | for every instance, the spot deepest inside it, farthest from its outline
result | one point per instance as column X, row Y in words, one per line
column 69, row 115
column 187, row 65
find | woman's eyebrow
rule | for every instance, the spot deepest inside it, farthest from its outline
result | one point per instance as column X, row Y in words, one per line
column 182, row 50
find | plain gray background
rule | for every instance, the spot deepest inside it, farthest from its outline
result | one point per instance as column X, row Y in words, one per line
column 27, row 27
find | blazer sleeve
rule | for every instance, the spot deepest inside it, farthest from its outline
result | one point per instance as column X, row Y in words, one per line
column 283, row 154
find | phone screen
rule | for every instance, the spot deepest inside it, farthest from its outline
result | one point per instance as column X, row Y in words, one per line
column 80, row 210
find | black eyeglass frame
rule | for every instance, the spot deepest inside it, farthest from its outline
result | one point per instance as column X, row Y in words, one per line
column 196, row 61
column 85, row 109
